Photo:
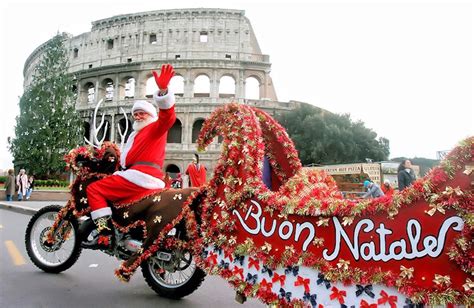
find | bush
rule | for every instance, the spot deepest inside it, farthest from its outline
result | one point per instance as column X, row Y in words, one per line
column 51, row 183
column 3, row 179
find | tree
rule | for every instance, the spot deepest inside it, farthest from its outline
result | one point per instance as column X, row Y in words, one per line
column 323, row 137
column 48, row 125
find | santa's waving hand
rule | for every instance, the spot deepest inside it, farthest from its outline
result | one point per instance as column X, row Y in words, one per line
column 142, row 158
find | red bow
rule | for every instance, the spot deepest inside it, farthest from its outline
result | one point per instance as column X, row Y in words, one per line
column 255, row 263
column 391, row 300
column 228, row 254
column 300, row 281
column 364, row 304
column 265, row 285
column 212, row 258
column 339, row 295
column 238, row 271
column 280, row 278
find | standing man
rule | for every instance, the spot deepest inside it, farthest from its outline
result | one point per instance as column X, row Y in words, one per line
column 196, row 172
column 142, row 158
column 406, row 175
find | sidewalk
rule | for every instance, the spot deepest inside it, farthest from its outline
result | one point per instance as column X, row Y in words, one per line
column 27, row 207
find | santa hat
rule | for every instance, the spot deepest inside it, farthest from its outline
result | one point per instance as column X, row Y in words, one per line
column 145, row 106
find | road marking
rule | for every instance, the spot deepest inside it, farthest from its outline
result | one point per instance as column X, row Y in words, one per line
column 94, row 265
column 16, row 256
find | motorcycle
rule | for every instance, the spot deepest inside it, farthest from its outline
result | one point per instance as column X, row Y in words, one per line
column 56, row 235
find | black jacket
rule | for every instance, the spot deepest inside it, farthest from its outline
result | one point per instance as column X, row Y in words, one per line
column 405, row 179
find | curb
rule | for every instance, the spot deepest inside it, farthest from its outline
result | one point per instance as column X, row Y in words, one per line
column 18, row 208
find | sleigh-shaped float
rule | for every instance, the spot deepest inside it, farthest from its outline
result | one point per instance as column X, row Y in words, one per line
column 301, row 243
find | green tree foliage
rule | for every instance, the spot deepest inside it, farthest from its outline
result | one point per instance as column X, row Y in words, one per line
column 48, row 125
column 323, row 137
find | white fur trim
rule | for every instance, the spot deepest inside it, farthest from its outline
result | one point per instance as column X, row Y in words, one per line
column 141, row 179
column 164, row 102
column 105, row 211
column 145, row 106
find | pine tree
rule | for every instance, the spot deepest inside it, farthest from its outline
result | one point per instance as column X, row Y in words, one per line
column 48, row 125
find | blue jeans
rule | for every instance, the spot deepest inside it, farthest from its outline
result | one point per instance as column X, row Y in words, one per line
column 9, row 198
column 28, row 193
column 20, row 197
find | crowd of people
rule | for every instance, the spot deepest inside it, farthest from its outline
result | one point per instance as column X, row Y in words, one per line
column 20, row 185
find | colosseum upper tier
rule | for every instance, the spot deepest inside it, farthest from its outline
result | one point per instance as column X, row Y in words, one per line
column 216, row 57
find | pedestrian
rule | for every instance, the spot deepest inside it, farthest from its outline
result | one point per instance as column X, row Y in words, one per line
column 141, row 161
column 373, row 190
column 196, row 172
column 31, row 186
column 406, row 175
column 10, row 185
column 22, row 183
column 387, row 188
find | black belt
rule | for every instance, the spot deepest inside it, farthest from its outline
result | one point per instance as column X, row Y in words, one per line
column 145, row 163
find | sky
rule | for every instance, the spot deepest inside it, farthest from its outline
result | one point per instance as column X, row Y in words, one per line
column 404, row 68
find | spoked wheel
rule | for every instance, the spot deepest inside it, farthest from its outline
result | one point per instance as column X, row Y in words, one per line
column 175, row 278
column 63, row 252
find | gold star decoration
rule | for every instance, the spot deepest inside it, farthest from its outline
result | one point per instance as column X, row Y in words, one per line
column 84, row 200
column 157, row 219
column 346, row 221
column 318, row 241
column 343, row 264
column 157, row 198
column 469, row 285
column 323, row 222
column 434, row 208
column 177, row 196
column 406, row 272
column 267, row 247
column 440, row 279
column 125, row 215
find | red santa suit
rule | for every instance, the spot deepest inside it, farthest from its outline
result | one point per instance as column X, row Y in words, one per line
column 142, row 159
column 197, row 174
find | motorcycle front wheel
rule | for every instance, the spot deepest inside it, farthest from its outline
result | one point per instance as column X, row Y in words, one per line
column 173, row 279
column 66, row 249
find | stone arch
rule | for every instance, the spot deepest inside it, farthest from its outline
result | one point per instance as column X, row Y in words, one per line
column 87, row 128
column 106, row 89
column 197, row 125
column 101, row 132
column 202, row 86
column 177, row 85
column 150, row 86
column 88, row 94
column 175, row 133
column 127, row 87
column 227, row 86
column 252, row 88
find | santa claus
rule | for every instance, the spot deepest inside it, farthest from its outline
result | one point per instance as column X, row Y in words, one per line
column 142, row 158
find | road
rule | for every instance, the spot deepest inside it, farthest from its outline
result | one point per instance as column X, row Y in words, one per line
column 89, row 283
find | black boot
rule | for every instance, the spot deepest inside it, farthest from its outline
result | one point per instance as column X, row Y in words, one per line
column 106, row 232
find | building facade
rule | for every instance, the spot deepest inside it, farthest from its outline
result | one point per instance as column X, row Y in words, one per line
column 216, row 57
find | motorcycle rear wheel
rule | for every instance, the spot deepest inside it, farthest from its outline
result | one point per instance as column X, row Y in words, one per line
column 184, row 280
column 56, row 257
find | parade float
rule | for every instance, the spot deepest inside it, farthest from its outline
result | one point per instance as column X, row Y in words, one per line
column 301, row 243
column 296, row 242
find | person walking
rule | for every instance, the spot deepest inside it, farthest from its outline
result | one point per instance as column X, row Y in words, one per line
column 31, row 186
column 406, row 175
column 22, row 183
column 10, row 185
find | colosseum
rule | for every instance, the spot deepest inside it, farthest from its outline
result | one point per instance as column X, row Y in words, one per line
column 217, row 60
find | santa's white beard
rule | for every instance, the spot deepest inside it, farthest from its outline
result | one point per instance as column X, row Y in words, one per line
column 139, row 125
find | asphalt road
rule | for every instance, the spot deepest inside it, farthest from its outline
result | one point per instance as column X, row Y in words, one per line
column 88, row 283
